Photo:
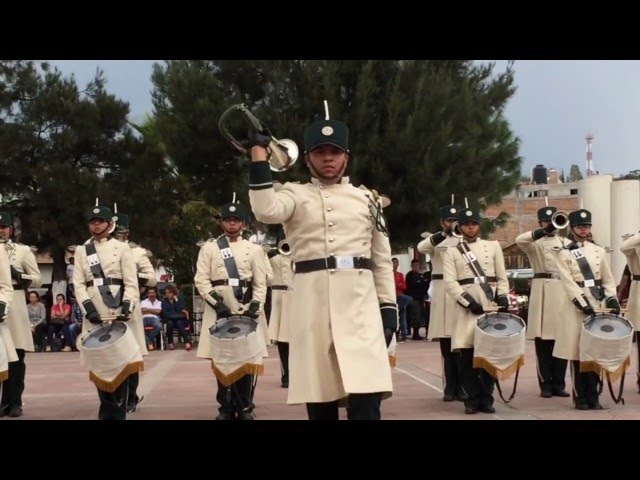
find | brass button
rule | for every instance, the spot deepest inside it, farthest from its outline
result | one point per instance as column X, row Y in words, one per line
column 328, row 209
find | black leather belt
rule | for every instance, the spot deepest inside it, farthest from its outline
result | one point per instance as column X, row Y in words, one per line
column 242, row 283
column 596, row 283
column 546, row 275
column 279, row 287
column 635, row 277
column 108, row 281
column 333, row 263
column 437, row 276
column 469, row 281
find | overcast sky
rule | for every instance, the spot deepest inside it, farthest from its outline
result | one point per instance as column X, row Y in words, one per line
column 557, row 103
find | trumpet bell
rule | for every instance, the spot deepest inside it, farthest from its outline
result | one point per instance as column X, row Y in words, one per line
column 455, row 230
column 284, row 248
column 282, row 154
column 560, row 220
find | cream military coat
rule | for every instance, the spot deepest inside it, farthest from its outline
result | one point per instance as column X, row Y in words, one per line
column 23, row 259
column 251, row 265
column 631, row 249
column 489, row 255
column 570, row 328
column 281, row 299
column 7, row 347
column 144, row 270
column 336, row 339
column 116, row 259
column 547, row 299
column 442, row 305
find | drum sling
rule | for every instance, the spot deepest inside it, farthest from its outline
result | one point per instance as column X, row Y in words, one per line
column 232, row 271
column 476, row 268
column 100, row 280
column 589, row 280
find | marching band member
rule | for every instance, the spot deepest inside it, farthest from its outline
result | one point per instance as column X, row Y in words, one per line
column 588, row 282
column 24, row 274
column 105, row 281
column 443, row 307
column 147, row 278
column 631, row 249
column 231, row 273
column 281, row 293
column 475, row 277
column 7, row 348
column 345, row 307
column 547, row 301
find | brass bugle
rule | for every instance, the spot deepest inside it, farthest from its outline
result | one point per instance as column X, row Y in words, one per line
column 560, row 220
column 284, row 248
column 455, row 230
column 281, row 154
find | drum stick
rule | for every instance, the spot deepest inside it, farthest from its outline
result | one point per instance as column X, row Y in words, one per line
column 608, row 310
column 491, row 309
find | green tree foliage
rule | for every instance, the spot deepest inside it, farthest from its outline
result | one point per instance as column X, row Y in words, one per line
column 574, row 173
column 61, row 147
column 196, row 223
column 419, row 130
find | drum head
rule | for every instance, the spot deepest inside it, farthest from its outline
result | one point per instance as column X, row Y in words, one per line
column 500, row 324
column 608, row 325
column 233, row 327
column 105, row 335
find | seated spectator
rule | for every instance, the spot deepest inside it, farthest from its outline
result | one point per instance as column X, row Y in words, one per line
column 38, row 319
column 151, row 309
column 402, row 299
column 175, row 315
column 60, row 321
column 416, row 287
column 76, row 323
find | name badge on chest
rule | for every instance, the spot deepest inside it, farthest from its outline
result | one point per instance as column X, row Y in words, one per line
column 470, row 256
column 226, row 253
column 577, row 253
column 93, row 259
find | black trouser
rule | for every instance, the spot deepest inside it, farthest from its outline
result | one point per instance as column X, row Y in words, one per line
column 132, row 395
column 551, row 370
column 362, row 406
column 39, row 334
column 585, row 386
column 283, row 352
column 181, row 324
column 238, row 397
column 476, row 382
column 637, row 334
column 451, row 367
column 13, row 387
column 113, row 406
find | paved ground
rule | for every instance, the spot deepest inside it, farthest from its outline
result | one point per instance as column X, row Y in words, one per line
column 177, row 385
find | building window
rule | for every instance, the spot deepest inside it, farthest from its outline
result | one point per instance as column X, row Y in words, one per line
column 574, row 191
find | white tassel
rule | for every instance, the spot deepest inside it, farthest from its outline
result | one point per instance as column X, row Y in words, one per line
column 96, row 201
column 546, row 202
column 466, row 204
column 234, row 198
column 115, row 208
column 326, row 110
column 452, row 202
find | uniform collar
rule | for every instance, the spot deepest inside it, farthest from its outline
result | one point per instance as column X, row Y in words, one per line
column 104, row 240
column 343, row 181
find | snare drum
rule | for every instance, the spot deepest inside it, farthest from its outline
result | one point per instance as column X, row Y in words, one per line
column 236, row 348
column 605, row 344
column 112, row 354
column 499, row 343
